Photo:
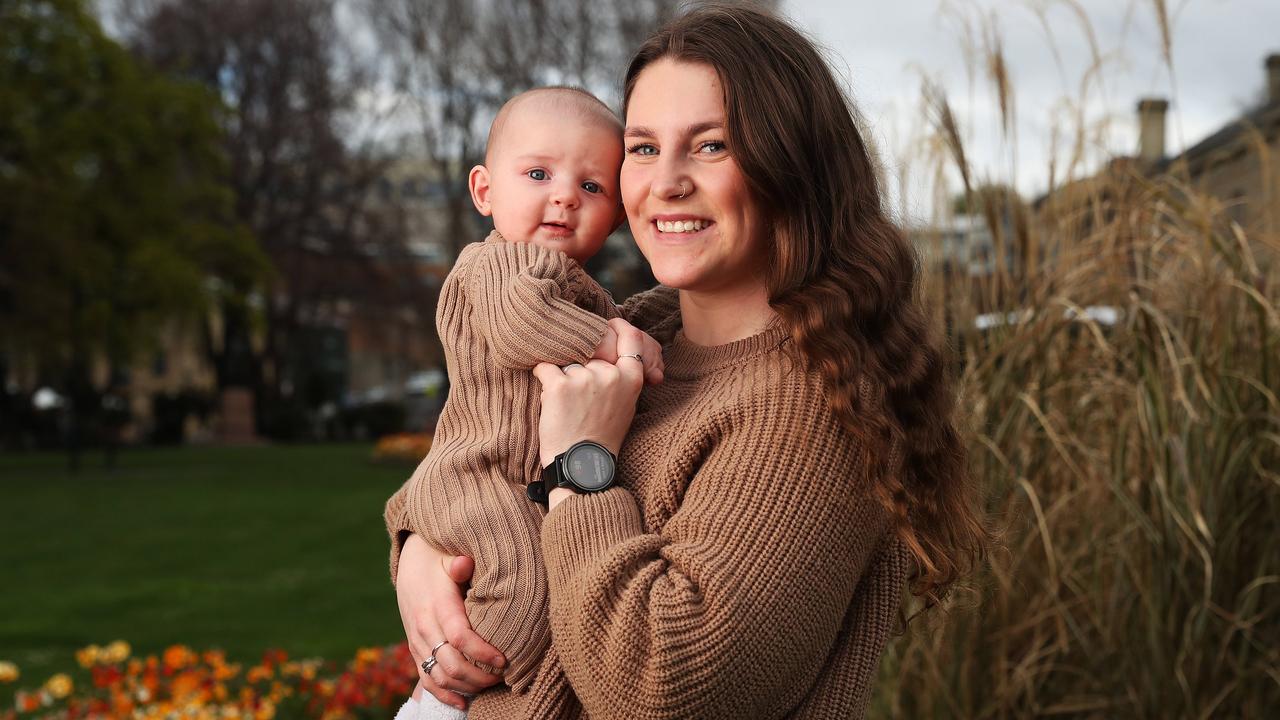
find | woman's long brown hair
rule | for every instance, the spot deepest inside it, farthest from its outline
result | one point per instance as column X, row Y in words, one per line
column 841, row 275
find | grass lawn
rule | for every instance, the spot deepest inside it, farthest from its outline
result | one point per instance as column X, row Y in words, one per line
column 242, row 549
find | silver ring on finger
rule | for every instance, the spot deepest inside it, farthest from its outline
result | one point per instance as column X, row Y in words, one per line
column 631, row 355
column 430, row 662
column 565, row 369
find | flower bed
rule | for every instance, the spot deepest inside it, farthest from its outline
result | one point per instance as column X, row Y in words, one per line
column 183, row 684
column 402, row 447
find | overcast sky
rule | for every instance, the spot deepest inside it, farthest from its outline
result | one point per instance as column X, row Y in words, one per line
column 884, row 48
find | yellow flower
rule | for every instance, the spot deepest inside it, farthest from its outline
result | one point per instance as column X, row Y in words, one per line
column 117, row 652
column 8, row 672
column 266, row 710
column 59, row 686
column 89, row 656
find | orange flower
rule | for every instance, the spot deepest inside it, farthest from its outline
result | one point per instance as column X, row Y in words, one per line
column 8, row 672
column 257, row 673
column 177, row 657
column 366, row 657
column 185, row 683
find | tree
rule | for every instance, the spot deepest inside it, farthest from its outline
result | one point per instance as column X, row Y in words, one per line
column 457, row 61
column 302, row 179
column 114, row 212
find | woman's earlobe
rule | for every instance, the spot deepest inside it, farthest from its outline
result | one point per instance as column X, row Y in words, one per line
column 478, row 184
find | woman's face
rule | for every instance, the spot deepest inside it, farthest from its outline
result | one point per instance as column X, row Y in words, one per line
column 685, row 196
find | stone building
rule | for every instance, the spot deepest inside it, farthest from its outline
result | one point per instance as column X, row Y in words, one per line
column 1239, row 164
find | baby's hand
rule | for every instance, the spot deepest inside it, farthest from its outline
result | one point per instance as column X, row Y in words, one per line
column 608, row 349
column 650, row 354
column 653, row 365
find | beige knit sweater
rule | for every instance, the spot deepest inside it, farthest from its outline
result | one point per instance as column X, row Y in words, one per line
column 741, row 570
column 504, row 307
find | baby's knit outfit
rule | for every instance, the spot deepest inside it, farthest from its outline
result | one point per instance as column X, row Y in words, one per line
column 503, row 308
column 742, row 568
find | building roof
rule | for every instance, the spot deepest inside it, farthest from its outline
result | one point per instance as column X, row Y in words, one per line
column 1265, row 118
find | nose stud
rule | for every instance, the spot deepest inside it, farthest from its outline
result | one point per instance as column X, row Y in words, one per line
column 683, row 191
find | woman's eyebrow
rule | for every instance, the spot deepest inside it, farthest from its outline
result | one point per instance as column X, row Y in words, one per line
column 694, row 129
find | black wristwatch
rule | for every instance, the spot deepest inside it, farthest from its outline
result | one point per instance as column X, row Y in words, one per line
column 585, row 467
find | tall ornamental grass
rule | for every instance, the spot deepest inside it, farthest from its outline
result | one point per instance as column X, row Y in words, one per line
column 1122, row 410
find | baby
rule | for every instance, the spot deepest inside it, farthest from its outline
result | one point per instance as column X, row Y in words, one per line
column 521, row 297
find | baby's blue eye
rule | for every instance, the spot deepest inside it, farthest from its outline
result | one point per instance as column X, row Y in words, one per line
column 537, row 174
column 592, row 187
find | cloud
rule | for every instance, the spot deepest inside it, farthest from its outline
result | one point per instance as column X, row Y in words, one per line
column 1218, row 49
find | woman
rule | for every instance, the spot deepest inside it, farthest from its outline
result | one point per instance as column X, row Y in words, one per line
column 799, row 463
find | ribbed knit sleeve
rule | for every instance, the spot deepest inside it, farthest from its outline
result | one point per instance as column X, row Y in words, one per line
column 651, row 308
column 396, row 518
column 522, row 294
column 730, row 610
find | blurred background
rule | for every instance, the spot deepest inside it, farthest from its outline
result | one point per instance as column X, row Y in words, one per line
column 224, row 225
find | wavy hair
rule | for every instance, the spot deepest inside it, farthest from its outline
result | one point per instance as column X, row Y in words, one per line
column 841, row 276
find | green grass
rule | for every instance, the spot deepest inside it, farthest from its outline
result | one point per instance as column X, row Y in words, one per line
column 235, row 548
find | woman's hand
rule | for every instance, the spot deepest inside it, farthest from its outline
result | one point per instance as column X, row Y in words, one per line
column 591, row 402
column 429, row 592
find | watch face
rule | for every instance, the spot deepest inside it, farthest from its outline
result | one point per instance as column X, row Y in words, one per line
column 589, row 466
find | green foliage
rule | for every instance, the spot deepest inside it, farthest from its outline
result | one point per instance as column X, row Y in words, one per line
column 114, row 212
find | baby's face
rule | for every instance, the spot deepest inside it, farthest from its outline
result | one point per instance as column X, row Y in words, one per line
column 554, row 182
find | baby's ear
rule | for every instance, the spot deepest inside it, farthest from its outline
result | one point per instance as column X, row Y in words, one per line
column 478, row 183
column 621, row 218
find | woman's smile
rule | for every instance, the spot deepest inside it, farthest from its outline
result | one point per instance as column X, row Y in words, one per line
column 684, row 226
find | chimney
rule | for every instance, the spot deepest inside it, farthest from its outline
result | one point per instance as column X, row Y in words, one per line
column 1273, row 78
column 1151, row 129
